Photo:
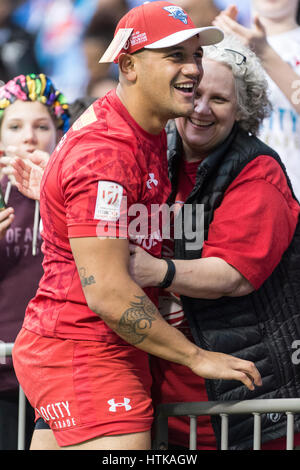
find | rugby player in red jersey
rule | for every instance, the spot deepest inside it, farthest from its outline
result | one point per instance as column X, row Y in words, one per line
column 82, row 355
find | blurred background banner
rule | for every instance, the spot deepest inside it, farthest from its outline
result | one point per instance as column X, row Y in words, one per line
column 65, row 38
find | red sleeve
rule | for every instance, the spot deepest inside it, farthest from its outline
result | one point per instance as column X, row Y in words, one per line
column 255, row 222
column 97, row 189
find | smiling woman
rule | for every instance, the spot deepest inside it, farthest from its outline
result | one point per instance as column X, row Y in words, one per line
column 220, row 294
column 215, row 112
column 232, row 89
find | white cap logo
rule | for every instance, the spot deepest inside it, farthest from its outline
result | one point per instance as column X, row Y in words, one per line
column 177, row 13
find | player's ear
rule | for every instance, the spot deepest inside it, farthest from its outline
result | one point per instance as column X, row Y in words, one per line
column 127, row 66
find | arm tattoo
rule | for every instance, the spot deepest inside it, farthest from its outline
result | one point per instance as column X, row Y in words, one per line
column 86, row 281
column 137, row 320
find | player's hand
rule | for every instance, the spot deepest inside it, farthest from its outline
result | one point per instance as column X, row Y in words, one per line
column 6, row 218
column 214, row 365
column 145, row 269
column 255, row 38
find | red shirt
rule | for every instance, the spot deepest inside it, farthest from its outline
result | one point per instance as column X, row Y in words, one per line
column 250, row 230
column 256, row 221
column 105, row 162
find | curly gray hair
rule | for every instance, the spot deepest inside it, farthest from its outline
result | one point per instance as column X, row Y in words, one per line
column 250, row 81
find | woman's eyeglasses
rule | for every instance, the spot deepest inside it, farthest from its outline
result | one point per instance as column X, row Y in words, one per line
column 238, row 56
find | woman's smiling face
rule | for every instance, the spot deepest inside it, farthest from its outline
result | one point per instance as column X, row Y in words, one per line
column 215, row 112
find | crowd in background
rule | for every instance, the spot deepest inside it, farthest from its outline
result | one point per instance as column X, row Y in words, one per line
column 65, row 39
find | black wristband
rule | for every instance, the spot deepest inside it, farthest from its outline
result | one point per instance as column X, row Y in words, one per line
column 168, row 279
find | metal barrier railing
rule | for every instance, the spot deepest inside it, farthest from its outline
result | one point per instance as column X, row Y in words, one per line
column 6, row 350
column 289, row 406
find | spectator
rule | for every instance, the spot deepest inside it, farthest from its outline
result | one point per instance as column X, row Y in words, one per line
column 275, row 38
column 33, row 115
column 238, row 293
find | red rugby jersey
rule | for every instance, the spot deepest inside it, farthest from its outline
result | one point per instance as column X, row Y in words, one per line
column 100, row 170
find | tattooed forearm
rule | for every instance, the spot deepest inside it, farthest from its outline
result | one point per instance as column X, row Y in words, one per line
column 86, row 280
column 137, row 320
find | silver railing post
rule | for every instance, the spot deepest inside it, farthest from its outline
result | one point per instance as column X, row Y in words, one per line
column 257, row 431
column 224, row 431
column 193, row 432
column 21, row 419
column 289, row 431
column 257, row 407
column 22, row 406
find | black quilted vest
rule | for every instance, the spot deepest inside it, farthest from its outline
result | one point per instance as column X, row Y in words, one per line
column 260, row 327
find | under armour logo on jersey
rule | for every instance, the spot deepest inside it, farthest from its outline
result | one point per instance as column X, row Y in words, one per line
column 177, row 13
column 151, row 180
column 113, row 405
